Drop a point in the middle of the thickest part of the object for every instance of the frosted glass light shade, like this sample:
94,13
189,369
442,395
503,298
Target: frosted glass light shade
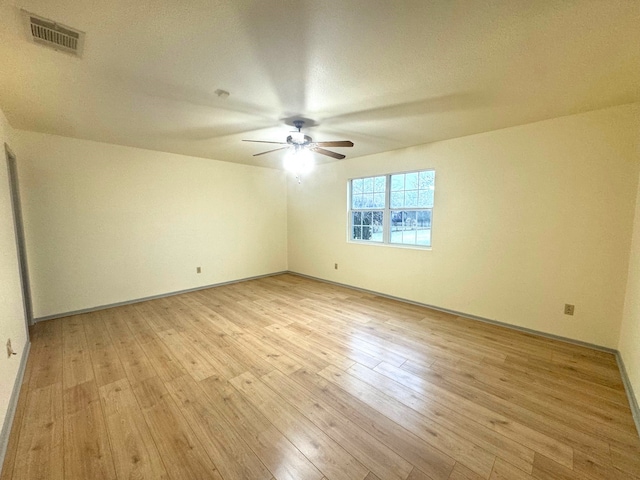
298,161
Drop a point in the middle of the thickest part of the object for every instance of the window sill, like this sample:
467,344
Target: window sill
391,245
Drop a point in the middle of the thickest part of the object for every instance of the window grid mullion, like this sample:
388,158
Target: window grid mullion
387,211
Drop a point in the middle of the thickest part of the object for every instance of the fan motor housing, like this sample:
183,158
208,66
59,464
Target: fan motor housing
291,141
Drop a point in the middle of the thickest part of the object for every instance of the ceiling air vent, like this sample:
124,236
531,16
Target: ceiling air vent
54,35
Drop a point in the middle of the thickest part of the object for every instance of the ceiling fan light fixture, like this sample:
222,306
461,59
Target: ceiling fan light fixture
297,138
298,161
299,147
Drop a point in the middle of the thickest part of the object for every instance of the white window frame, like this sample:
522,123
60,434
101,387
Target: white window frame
386,213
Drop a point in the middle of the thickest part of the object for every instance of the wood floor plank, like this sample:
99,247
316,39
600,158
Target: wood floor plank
549,377
417,474
137,366
136,322
553,427
436,464
546,469
306,346
287,378
505,471
76,359
274,356
329,342
87,453
176,442
517,389
452,420
73,335
194,363
274,316
379,458
153,315
134,451
464,451
96,332
106,365
515,431
222,442
280,456
214,351
591,466
328,456
40,453
115,320
295,346
366,344
49,355
460,472
165,364
626,457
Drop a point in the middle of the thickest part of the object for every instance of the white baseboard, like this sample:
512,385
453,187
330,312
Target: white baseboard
633,403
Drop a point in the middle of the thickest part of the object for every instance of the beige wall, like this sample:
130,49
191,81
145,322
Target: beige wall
526,219
629,345
107,223
12,321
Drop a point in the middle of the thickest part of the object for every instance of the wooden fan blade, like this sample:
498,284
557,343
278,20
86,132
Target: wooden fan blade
328,153
264,141
269,151
340,143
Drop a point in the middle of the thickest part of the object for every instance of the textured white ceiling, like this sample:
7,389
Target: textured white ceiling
384,74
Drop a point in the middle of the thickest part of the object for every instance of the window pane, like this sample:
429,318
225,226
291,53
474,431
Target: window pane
380,184
423,199
424,219
423,237
427,179
367,185
426,184
411,181
426,198
397,199
367,226
397,182
411,199
376,226
368,200
411,227
356,186
396,221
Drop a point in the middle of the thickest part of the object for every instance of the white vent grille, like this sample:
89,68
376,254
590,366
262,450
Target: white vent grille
54,35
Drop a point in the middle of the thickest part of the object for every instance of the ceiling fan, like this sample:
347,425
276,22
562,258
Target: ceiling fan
298,141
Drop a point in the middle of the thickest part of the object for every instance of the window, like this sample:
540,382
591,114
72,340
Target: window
392,209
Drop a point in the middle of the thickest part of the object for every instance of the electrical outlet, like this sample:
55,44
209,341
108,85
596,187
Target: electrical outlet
335,265
9,349
199,270
568,309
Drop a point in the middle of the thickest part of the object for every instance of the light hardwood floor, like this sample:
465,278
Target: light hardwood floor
290,378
